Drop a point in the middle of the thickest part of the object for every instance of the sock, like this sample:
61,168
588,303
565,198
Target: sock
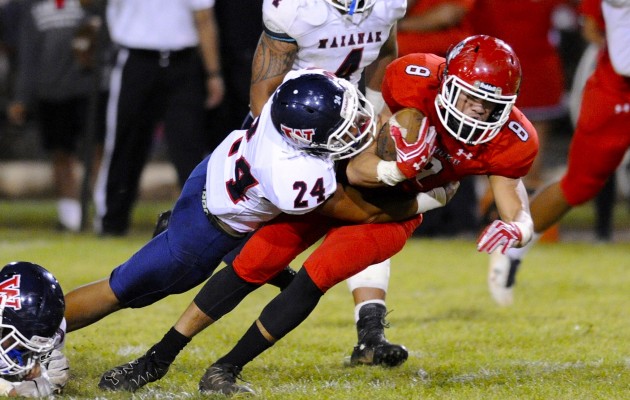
69,213
357,308
252,344
167,349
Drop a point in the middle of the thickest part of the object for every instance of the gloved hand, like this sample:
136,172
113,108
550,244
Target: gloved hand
411,158
500,234
58,369
38,387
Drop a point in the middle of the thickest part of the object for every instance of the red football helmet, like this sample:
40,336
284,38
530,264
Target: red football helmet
488,69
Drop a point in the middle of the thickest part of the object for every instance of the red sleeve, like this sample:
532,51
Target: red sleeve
412,81
515,148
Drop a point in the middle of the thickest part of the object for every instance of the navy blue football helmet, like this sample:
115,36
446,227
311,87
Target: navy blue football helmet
31,311
323,114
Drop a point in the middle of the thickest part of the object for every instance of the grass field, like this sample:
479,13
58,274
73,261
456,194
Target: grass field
566,337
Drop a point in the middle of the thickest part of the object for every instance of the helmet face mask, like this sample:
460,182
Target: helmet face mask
486,69
323,115
19,354
351,7
31,311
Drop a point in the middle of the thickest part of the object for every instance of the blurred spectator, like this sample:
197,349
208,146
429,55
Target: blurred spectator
433,26
9,18
54,84
239,30
167,63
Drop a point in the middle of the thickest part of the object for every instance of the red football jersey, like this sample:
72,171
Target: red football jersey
413,81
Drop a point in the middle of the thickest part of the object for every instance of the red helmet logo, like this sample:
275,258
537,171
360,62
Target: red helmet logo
10,292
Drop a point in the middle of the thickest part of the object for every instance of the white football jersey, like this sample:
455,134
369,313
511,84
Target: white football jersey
328,39
254,177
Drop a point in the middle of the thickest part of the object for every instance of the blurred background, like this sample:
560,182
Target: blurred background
550,42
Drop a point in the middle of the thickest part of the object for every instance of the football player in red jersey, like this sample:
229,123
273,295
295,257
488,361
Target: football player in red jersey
468,101
598,145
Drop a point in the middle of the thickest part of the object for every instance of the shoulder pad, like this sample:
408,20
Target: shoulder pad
284,16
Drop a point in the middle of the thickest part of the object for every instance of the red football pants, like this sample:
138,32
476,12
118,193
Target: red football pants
345,251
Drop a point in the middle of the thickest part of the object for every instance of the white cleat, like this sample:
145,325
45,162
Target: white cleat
502,277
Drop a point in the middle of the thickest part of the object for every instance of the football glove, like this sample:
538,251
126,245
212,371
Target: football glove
411,158
501,235
58,369
38,387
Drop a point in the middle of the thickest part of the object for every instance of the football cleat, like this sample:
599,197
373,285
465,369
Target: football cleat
221,378
384,354
373,348
502,277
134,375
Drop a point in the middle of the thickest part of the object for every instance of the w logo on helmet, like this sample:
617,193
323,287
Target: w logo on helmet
10,293
302,135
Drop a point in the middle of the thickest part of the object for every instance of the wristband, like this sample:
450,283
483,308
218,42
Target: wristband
527,231
430,200
388,173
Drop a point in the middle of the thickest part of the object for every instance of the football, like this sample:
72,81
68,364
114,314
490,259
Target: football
409,121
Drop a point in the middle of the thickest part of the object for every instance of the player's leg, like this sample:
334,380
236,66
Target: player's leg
369,290
344,255
172,262
330,263
283,314
263,256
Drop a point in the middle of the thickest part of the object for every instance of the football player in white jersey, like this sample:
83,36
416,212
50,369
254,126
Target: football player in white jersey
347,37
32,332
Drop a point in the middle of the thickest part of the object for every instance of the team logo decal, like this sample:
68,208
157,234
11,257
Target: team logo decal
10,292
304,135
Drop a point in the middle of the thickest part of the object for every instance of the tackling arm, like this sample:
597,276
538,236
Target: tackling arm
272,60
375,72
349,204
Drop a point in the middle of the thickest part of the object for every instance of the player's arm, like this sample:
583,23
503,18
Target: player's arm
207,31
273,58
516,227
349,204
375,72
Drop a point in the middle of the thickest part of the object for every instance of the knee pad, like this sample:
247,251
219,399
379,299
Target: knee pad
374,276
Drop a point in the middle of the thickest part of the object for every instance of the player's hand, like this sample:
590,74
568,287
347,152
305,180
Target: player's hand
501,235
411,158
58,369
38,387
6,388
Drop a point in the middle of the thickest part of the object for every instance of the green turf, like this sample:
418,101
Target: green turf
566,337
